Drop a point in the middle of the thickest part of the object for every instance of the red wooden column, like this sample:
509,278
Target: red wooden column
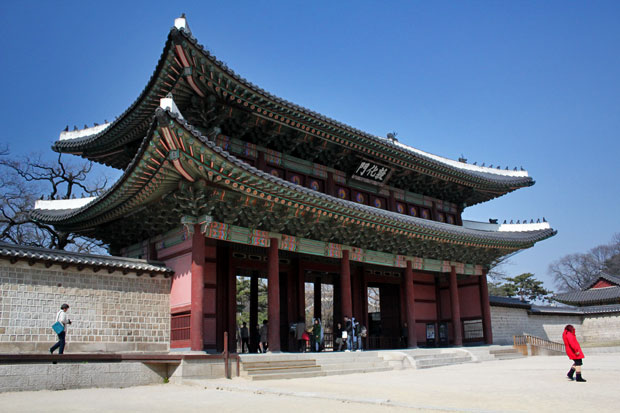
456,308
301,292
486,309
410,301
317,299
345,285
273,296
197,293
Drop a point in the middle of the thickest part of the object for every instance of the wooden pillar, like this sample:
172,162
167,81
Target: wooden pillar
486,309
345,285
232,304
254,313
392,202
437,308
331,185
410,299
456,308
301,292
317,298
273,296
197,293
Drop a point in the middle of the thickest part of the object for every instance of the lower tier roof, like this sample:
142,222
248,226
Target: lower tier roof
179,172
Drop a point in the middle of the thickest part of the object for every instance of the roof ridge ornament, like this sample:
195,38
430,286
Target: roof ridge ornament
181,24
168,104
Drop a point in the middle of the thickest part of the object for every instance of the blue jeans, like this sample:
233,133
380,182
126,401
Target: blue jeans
349,342
60,345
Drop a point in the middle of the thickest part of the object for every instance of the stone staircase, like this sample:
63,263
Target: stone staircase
429,360
505,353
352,362
290,366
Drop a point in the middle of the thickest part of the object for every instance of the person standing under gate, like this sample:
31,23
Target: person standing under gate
264,329
348,327
300,329
574,352
62,318
245,338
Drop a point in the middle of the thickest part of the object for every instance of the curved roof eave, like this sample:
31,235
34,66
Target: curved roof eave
520,237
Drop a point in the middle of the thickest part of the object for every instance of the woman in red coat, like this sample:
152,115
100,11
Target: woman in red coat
573,350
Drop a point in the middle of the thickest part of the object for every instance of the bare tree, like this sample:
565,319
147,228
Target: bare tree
22,182
576,271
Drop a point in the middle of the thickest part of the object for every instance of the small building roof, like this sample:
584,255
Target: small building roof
67,258
594,296
613,279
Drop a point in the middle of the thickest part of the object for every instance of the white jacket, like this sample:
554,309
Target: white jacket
63,318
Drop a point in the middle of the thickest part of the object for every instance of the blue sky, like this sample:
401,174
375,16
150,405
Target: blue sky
532,84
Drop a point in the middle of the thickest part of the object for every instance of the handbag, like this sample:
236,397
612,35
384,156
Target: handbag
58,327
344,334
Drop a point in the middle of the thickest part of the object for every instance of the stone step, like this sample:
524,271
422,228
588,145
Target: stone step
359,365
330,372
276,363
507,356
288,375
289,369
438,362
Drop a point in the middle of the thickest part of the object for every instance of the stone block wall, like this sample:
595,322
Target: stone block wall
109,311
62,376
602,329
508,322
592,330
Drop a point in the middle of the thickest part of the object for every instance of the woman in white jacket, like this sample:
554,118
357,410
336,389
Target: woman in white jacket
63,318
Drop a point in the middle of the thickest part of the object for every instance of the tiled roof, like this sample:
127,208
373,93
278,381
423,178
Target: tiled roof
133,120
614,279
549,309
607,295
521,237
508,302
45,255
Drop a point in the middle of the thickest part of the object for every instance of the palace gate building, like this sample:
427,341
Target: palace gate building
222,178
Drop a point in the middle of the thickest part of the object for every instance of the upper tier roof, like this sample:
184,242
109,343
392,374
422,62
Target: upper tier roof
186,69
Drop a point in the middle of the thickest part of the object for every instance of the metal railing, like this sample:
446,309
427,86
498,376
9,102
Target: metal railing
536,345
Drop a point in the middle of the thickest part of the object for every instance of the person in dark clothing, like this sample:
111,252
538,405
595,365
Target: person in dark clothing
300,328
338,342
404,335
574,352
245,338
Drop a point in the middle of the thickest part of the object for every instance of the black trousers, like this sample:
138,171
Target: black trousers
60,345
245,344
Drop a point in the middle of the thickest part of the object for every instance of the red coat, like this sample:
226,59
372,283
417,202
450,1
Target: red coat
573,349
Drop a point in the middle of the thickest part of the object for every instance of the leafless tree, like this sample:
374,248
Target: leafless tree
24,181
576,271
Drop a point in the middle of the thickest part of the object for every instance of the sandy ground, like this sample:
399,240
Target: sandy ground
534,384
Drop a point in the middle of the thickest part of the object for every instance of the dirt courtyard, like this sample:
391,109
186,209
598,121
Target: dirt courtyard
534,384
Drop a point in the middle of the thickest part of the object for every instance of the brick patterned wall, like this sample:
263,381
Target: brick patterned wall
508,322
110,312
602,329
592,330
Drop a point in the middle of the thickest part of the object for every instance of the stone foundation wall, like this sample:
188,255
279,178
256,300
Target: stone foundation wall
592,330
62,376
109,312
